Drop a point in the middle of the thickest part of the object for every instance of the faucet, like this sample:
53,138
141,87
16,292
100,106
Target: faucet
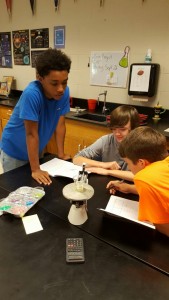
104,110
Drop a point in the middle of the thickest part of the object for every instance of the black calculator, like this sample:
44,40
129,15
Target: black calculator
75,250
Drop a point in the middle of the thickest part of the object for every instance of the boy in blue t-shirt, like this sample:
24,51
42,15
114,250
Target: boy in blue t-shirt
38,114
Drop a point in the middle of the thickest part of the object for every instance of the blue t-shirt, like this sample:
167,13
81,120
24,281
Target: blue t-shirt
33,105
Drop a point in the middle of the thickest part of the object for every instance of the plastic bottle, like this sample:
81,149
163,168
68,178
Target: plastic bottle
148,57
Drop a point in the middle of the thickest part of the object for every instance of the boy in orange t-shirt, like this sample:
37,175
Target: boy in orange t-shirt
145,151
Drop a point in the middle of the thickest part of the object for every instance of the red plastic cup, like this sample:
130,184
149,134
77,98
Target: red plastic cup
91,104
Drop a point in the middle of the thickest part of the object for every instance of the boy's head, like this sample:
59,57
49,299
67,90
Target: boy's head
52,60
143,146
123,119
52,68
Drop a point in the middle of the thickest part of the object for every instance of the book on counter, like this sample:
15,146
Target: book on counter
5,85
59,167
125,208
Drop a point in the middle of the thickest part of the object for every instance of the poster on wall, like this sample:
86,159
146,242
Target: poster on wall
59,37
34,55
5,50
21,47
40,38
109,68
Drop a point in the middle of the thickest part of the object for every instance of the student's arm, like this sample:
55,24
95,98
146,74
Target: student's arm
90,163
32,141
122,187
60,133
126,175
163,228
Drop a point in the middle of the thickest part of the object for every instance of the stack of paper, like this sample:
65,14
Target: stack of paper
59,167
125,208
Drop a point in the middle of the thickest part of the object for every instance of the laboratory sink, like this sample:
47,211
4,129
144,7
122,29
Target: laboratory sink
91,117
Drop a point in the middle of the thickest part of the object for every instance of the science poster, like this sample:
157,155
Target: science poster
40,38
34,55
5,50
59,37
21,47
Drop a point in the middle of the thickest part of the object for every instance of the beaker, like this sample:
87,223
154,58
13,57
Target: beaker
124,60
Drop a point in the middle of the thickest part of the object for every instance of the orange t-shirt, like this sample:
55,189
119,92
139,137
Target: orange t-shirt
152,184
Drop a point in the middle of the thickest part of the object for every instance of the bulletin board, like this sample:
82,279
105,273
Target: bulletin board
109,68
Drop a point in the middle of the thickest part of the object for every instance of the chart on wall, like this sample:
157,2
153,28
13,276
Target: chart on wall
5,50
109,68
21,47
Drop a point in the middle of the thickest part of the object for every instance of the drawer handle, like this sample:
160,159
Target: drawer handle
79,148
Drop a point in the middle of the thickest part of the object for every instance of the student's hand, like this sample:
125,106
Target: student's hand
118,185
41,177
113,165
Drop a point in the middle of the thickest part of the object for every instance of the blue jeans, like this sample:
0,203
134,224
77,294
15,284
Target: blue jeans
10,163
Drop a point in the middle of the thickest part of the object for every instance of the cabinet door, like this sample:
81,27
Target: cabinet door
4,122
5,112
73,139
51,146
78,135
93,133
73,144
81,134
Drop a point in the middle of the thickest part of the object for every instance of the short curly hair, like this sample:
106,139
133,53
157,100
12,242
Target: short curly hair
52,59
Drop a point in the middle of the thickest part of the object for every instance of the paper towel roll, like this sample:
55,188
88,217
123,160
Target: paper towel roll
140,98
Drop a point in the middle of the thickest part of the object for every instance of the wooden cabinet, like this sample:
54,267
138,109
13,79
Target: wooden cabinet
78,135
5,113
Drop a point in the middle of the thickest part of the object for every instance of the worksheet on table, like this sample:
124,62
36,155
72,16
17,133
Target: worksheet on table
125,208
59,167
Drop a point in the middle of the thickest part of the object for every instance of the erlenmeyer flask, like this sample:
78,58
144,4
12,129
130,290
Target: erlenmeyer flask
124,60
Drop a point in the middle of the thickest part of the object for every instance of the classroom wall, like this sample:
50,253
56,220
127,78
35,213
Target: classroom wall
141,24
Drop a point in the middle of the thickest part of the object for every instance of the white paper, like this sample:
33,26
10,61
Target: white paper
74,109
59,167
167,130
32,224
125,208
140,78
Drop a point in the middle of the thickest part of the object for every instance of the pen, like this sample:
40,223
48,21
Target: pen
83,168
83,171
114,187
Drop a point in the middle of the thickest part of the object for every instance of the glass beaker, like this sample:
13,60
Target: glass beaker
124,60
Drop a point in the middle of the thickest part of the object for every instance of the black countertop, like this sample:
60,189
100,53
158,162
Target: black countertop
123,260
138,241
9,102
34,266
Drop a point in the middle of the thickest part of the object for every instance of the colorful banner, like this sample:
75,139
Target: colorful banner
32,4
9,6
